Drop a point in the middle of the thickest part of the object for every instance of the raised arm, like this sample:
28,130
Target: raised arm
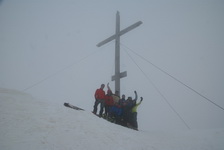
140,101
136,96
108,87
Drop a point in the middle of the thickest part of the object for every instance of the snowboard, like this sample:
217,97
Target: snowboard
72,106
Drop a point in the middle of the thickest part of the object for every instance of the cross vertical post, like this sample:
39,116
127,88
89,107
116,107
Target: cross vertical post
117,54
118,75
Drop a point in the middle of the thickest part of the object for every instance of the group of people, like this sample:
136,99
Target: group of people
121,111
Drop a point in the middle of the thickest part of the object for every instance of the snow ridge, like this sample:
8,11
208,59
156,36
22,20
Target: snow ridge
28,123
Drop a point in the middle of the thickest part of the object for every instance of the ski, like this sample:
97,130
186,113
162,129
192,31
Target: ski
72,106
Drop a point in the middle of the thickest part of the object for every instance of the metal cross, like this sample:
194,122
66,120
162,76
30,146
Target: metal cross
116,36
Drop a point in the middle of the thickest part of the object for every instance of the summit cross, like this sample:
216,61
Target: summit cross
116,37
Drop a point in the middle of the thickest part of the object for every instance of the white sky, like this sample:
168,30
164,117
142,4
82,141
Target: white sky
50,46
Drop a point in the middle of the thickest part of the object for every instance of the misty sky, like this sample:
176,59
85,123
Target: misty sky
48,49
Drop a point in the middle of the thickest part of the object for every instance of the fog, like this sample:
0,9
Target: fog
174,60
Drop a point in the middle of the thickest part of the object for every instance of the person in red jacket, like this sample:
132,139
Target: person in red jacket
109,102
99,99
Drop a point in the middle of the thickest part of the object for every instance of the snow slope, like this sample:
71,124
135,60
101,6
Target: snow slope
28,123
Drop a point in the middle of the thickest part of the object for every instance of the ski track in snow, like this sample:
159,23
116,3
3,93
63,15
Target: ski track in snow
28,123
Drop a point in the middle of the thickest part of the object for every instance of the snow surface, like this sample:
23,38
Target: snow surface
29,123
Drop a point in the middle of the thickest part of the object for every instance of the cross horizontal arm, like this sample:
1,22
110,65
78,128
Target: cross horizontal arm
106,41
121,75
120,33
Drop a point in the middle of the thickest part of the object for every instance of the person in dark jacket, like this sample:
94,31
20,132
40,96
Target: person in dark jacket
122,101
128,105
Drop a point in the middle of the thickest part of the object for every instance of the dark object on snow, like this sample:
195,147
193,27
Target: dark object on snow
72,106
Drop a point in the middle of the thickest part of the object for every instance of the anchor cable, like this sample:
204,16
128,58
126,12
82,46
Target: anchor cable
181,118
59,71
190,88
